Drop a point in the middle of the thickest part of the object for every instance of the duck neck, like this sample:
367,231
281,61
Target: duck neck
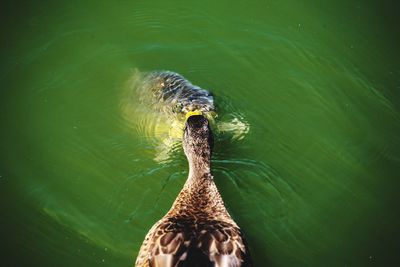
199,167
199,196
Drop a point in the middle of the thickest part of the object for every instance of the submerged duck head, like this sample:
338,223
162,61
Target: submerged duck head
197,138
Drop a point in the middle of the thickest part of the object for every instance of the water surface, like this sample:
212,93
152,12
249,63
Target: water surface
312,182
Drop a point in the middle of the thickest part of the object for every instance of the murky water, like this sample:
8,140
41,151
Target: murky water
311,175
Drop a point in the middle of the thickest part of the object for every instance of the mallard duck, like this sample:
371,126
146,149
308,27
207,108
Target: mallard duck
197,230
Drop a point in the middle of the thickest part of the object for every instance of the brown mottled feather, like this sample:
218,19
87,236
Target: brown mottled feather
197,230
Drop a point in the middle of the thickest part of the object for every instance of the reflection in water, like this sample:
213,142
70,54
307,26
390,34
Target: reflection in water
155,104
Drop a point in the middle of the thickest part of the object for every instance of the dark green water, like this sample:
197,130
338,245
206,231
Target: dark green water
314,182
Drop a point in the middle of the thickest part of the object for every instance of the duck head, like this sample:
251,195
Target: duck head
197,140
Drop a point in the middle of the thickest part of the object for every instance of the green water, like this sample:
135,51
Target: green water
313,183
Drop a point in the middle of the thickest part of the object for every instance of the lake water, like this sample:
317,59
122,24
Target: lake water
312,179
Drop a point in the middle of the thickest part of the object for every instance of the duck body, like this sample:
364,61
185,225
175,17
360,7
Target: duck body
197,230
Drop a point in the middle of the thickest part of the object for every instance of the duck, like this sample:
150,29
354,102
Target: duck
198,229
